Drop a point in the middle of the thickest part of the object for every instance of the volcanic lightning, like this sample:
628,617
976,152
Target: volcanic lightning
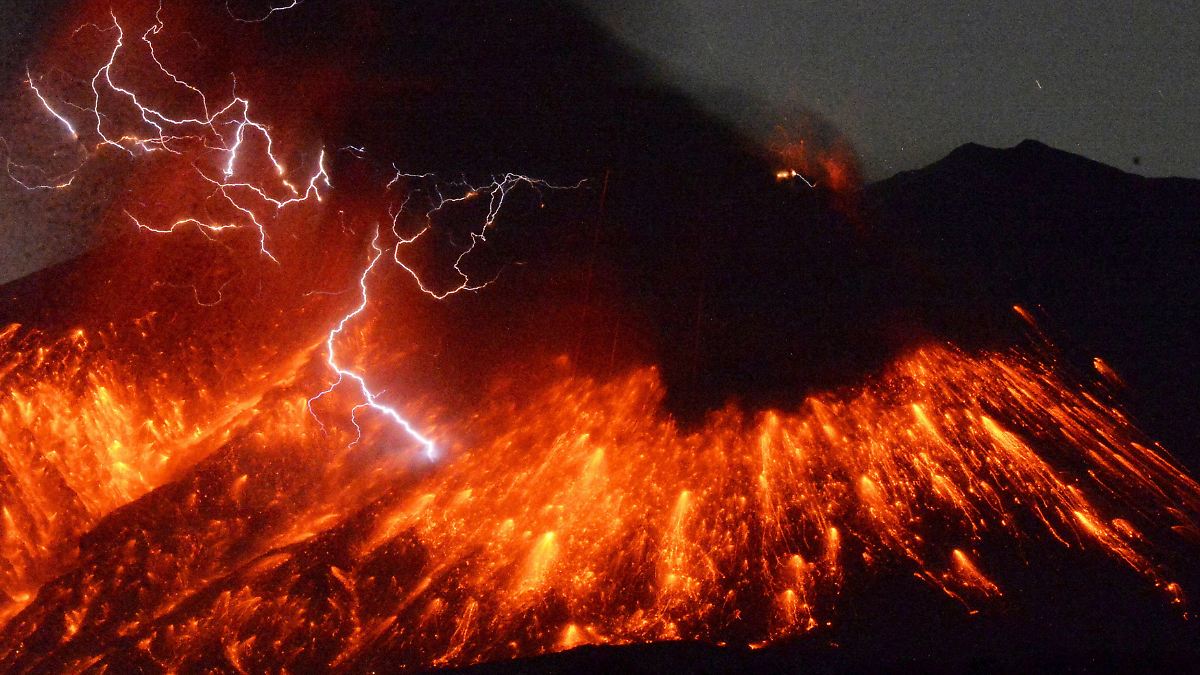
292,4
177,503
170,131
46,104
495,191
370,399
201,133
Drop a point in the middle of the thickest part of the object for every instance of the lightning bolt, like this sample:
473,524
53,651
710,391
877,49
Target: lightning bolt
225,130
495,192
270,12
369,397
56,182
49,108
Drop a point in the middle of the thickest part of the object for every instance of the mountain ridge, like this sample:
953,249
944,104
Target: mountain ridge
1107,256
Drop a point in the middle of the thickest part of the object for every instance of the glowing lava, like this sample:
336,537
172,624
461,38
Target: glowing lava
182,507
578,512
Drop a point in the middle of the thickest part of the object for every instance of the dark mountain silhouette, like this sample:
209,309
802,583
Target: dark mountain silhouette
739,286
684,250
1110,259
809,298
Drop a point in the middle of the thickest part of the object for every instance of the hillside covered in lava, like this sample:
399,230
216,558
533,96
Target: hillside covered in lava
415,351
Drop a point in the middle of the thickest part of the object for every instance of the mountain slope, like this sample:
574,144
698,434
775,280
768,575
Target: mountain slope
1110,259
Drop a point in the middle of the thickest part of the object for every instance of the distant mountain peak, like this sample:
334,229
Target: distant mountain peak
1030,144
1026,149
1029,159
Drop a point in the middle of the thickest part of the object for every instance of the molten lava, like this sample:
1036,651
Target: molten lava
578,513
230,501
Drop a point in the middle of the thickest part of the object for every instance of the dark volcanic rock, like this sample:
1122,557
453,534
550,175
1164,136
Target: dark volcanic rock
1108,258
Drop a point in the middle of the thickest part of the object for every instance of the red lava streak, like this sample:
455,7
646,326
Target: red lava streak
187,505
578,514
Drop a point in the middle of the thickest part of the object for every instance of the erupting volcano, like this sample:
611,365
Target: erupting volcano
307,404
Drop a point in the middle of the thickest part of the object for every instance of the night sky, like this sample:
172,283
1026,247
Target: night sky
908,82
905,83
750,295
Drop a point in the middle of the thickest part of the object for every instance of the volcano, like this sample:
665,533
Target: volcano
340,391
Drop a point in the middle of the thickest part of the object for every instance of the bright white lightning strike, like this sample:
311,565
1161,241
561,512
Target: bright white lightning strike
46,104
370,399
497,190
224,130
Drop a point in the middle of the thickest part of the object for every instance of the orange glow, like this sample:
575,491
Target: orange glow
577,514
830,165
180,505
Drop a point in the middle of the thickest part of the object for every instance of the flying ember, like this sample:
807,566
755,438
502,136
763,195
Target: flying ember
223,459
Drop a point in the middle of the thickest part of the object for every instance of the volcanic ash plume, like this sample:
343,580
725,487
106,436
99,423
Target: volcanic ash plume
232,476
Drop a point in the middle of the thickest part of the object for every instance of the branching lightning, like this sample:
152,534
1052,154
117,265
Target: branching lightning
56,182
370,398
575,505
495,192
225,130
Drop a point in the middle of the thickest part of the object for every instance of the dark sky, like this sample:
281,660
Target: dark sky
907,82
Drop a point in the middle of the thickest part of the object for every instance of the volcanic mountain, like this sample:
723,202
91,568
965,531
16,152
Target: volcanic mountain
1108,257
229,528
702,406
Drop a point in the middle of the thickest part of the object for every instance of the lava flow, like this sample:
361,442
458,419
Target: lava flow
581,513
266,496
